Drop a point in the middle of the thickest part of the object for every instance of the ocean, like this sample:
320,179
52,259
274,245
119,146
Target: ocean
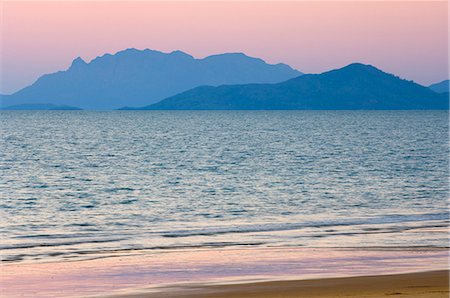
84,184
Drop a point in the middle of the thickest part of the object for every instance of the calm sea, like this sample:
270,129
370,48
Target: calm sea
79,184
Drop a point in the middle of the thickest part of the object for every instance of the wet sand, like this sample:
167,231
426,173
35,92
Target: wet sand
422,284
233,272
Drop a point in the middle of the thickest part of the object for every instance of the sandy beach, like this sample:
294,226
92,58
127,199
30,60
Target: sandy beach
237,272
421,284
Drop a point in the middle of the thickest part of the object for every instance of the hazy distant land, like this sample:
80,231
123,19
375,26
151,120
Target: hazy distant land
138,78
152,80
441,87
354,87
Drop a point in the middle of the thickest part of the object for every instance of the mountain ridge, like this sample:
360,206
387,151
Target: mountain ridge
139,77
355,86
440,87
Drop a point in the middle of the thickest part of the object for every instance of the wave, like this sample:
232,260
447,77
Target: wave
65,248
99,252
385,219
35,245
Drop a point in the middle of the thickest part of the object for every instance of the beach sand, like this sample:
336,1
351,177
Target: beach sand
422,284
237,272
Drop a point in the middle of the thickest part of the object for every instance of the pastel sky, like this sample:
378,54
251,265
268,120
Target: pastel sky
409,39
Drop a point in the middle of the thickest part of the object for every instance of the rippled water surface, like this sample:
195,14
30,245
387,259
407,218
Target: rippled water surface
79,184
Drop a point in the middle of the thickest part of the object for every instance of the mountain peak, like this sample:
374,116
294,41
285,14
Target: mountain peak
180,53
77,62
440,87
360,66
356,70
131,51
234,55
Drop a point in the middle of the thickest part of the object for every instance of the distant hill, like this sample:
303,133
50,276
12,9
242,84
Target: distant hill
440,87
47,107
136,78
356,86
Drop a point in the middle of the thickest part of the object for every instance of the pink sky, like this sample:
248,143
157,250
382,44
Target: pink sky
409,39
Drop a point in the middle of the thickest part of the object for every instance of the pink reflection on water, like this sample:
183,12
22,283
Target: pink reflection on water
100,276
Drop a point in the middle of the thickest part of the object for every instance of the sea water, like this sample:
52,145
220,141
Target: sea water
85,184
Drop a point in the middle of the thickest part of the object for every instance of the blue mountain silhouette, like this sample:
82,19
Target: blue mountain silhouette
440,87
138,77
356,86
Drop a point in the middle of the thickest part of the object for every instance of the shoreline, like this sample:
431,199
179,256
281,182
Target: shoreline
416,284
125,253
228,269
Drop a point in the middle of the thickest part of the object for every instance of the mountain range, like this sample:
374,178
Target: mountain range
356,86
141,77
153,80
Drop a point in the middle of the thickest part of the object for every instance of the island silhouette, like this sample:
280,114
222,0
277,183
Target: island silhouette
152,80
141,77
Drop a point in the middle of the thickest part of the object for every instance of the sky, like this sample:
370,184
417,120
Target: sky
409,39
